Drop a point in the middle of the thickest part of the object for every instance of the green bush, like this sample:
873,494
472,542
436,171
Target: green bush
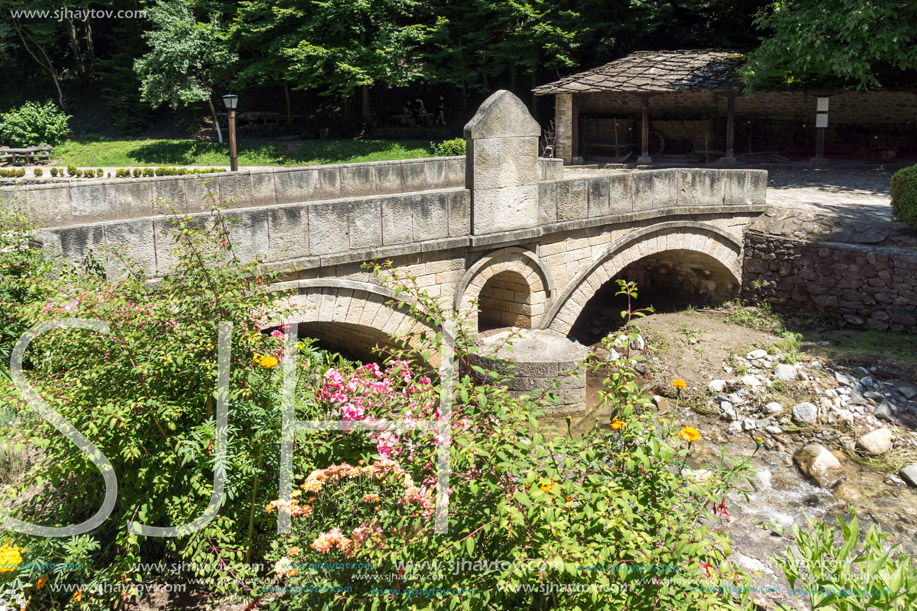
904,195
137,172
53,172
71,170
89,173
449,148
37,172
34,124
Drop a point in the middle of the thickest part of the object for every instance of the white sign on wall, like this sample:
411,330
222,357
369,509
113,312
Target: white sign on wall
823,104
821,120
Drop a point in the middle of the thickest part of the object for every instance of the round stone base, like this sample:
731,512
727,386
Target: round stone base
539,356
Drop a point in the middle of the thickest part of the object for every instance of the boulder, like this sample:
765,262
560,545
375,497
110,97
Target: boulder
717,386
785,372
756,354
728,411
751,381
908,392
877,442
774,429
773,408
886,411
819,465
909,474
805,412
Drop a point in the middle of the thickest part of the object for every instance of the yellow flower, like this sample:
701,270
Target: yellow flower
548,486
41,582
617,424
679,384
10,557
265,361
78,596
689,434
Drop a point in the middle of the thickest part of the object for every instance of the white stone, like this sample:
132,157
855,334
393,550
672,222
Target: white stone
819,464
773,408
842,379
717,386
748,424
785,372
751,381
877,442
752,564
756,354
909,474
774,429
735,427
727,411
846,416
805,412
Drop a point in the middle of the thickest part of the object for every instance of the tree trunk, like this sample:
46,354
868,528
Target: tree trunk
286,93
216,120
75,47
365,109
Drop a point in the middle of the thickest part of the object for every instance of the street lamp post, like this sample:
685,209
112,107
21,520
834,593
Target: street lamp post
231,101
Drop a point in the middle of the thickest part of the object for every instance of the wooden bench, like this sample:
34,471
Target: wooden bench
28,155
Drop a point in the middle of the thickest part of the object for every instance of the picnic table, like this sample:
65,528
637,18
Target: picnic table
30,154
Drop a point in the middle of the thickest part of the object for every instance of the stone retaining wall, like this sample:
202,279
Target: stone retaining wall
865,286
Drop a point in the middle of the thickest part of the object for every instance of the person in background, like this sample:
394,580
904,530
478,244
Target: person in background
419,109
441,110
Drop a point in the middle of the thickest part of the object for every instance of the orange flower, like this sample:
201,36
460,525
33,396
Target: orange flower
269,507
617,424
679,384
371,498
41,582
295,551
548,486
78,596
265,361
689,434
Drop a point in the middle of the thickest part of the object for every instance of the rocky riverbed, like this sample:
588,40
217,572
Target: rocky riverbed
836,434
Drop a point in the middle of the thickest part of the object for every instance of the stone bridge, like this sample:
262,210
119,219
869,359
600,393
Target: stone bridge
528,240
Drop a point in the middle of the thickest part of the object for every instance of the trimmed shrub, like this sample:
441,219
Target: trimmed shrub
53,172
137,172
449,148
71,170
904,195
100,172
89,173
37,172
34,124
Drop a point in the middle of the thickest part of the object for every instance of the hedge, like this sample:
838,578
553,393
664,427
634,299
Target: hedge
904,195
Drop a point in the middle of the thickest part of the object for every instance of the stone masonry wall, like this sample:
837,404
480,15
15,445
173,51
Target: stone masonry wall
865,286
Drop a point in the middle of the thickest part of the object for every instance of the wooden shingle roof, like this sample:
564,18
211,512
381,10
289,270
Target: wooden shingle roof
656,72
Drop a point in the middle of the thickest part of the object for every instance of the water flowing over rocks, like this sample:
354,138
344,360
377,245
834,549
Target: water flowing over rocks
820,465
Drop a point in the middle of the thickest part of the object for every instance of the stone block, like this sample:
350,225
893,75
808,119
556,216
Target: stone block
330,181
136,238
454,175
357,179
263,189
329,228
505,209
201,193
387,176
111,202
293,186
547,202
459,213
288,232
168,193
366,224
665,188
502,115
397,220
700,187
414,176
434,173
250,235
504,162
599,197
643,191
572,200
431,217
735,191
757,186
48,207
77,242
235,189
621,193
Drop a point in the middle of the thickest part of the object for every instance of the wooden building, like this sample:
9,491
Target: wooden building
690,102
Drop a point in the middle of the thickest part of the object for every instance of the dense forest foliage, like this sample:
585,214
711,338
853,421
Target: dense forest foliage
365,57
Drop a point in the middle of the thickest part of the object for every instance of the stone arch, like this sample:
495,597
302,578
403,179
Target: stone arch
689,236
519,270
357,312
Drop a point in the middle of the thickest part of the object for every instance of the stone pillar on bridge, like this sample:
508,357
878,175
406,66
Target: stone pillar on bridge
501,167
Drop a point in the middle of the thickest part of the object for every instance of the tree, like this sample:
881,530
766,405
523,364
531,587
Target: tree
186,58
853,41
345,44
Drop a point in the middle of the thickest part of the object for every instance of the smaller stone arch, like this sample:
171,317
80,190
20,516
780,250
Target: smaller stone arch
513,288
360,312
672,236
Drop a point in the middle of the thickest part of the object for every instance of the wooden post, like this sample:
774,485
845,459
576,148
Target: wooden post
730,128
574,130
233,156
645,158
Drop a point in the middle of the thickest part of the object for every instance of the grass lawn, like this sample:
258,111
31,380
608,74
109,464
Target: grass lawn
94,153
